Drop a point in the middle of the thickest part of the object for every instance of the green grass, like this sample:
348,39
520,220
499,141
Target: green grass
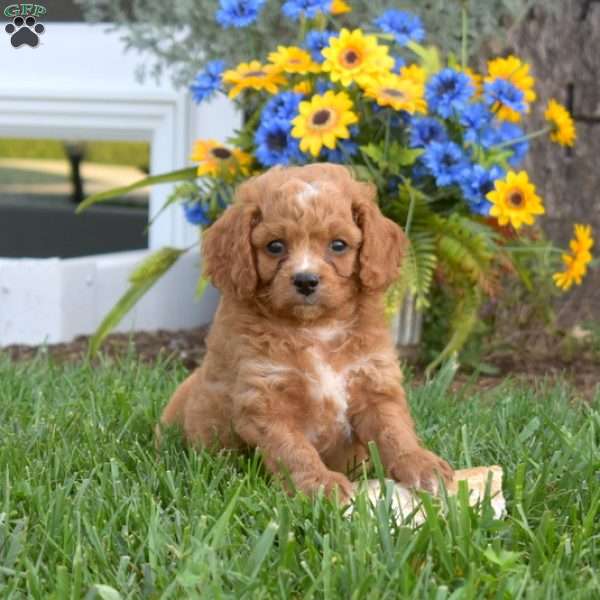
88,509
136,154
26,176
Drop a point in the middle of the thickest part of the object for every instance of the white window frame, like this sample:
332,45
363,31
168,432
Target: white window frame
54,300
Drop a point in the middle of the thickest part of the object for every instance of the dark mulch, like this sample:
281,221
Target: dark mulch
187,347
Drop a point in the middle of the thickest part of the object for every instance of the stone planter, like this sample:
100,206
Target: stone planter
406,327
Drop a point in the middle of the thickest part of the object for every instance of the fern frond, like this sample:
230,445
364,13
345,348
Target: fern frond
464,319
416,273
420,264
465,252
398,206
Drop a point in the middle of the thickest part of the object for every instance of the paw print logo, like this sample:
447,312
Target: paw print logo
24,31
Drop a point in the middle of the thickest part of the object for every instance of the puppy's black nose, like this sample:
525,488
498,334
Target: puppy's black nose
306,283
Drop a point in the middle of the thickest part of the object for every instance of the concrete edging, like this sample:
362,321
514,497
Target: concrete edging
54,300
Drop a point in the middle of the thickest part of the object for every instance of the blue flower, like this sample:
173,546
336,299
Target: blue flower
502,91
403,25
476,119
282,106
207,82
419,171
323,85
448,92
294,9
275,144
445,161
344,150
507,132
238,13
315,41
425,130
341,153
197,213
475,183
399,62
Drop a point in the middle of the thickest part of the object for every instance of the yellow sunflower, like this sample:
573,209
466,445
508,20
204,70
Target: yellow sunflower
577,261
255,76
217,159
340,7
399,93
573,273
323,120
356,57
414,73
303,87
292,59
514,200
516,72
583,242
563,127
476,80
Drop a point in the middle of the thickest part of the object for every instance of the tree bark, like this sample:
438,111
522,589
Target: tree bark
564,51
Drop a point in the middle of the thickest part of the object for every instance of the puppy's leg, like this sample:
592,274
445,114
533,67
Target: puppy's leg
174,412
385,419
347,457
286,450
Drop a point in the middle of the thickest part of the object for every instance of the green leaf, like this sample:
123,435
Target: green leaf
429,56
404,157
187,173
106,592
397,156
142,279
155,265
361,173
261,550
505,559
419,265
203,283
464,319
499,156
375,153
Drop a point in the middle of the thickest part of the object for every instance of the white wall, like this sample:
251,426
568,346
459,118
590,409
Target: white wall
79,84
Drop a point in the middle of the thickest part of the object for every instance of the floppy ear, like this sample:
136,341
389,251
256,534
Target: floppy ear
383,244
227,251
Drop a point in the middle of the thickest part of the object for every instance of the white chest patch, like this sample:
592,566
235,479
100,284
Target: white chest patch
330,385
329,334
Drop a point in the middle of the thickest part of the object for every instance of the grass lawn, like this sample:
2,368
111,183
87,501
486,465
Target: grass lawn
87,509
136,154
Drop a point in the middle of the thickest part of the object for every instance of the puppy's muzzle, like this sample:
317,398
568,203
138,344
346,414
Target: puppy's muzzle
305,283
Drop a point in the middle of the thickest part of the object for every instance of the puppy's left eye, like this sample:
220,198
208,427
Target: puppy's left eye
276,248
338,246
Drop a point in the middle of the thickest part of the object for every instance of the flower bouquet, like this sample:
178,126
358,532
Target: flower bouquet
443,144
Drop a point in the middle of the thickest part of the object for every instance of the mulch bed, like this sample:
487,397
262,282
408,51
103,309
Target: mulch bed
187,347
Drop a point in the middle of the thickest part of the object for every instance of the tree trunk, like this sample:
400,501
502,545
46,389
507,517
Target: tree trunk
564,51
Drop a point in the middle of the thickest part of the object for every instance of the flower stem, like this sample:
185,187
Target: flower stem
302,29
388,128
523,138
411,207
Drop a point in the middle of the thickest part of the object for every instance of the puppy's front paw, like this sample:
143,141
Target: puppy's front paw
421,469
330,481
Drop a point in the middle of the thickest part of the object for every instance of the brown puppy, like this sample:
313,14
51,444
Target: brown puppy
300,361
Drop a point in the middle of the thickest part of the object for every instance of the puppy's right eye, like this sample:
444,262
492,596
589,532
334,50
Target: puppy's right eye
276,248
